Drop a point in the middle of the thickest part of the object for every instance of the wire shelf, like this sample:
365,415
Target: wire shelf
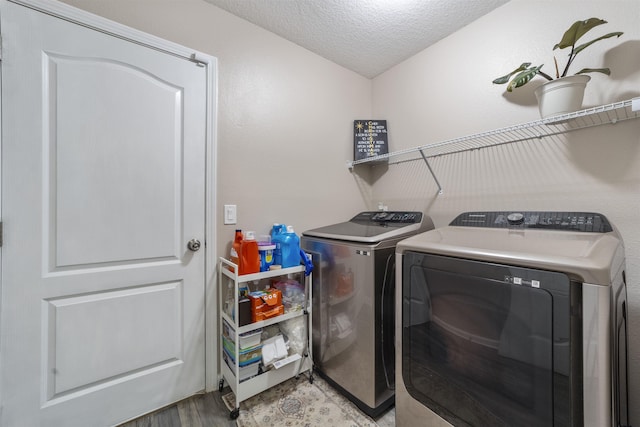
556,125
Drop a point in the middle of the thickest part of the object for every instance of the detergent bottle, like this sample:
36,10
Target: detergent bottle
277,235
249,255
290,248
234,254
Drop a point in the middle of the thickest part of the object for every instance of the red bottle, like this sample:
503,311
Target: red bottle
234,255
249,255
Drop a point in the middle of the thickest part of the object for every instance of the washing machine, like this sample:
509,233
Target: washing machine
512,319
353,303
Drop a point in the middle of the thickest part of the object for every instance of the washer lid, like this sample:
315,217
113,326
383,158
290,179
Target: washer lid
374,226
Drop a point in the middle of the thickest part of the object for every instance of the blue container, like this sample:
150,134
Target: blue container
277,235
290,248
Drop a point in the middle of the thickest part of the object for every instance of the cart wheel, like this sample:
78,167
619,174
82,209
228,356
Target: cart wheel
234,414
220,386
310,378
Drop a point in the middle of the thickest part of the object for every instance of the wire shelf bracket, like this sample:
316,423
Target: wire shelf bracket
435,178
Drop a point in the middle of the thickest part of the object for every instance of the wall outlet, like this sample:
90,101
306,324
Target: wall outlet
230,214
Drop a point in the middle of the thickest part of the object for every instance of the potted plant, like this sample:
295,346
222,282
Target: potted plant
551,97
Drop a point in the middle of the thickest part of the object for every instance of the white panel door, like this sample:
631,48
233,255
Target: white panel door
103,186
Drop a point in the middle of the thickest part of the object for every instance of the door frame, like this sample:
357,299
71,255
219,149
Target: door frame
89,20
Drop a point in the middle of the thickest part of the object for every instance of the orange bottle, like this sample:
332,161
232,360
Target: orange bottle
234,255
249,255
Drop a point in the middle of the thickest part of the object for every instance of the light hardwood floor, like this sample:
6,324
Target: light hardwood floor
202,410
208,410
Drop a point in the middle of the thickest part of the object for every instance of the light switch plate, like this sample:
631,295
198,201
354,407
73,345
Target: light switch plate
230,214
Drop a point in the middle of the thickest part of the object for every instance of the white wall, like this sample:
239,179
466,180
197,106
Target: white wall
446,92
285,116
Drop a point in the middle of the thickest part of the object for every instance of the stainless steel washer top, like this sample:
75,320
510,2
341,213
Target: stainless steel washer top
375,226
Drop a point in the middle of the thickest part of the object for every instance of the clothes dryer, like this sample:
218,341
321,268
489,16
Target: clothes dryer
512,319
354,305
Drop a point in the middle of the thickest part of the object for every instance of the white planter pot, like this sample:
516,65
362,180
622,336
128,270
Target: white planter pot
560,96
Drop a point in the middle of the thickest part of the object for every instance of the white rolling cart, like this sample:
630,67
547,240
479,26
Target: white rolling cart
230,330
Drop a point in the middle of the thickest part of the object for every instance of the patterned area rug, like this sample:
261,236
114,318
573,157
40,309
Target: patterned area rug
296,402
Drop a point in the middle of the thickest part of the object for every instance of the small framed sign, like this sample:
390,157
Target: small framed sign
369,138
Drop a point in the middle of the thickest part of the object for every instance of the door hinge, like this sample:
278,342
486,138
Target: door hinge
0,47
0,234
198,62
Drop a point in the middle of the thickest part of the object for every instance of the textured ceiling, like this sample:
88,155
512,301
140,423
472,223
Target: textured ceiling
366,36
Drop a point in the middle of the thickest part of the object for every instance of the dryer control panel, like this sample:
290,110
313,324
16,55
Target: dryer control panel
587,222
391,217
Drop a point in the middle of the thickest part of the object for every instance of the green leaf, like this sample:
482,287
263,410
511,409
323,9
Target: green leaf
577,30
523,78
606,36
504,79
595,70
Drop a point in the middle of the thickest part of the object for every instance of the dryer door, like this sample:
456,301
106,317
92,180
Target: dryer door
486,344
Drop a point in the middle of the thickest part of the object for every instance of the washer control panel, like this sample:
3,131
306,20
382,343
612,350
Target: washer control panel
587,222
391,217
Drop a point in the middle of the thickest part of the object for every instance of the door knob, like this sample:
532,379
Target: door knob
193,245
